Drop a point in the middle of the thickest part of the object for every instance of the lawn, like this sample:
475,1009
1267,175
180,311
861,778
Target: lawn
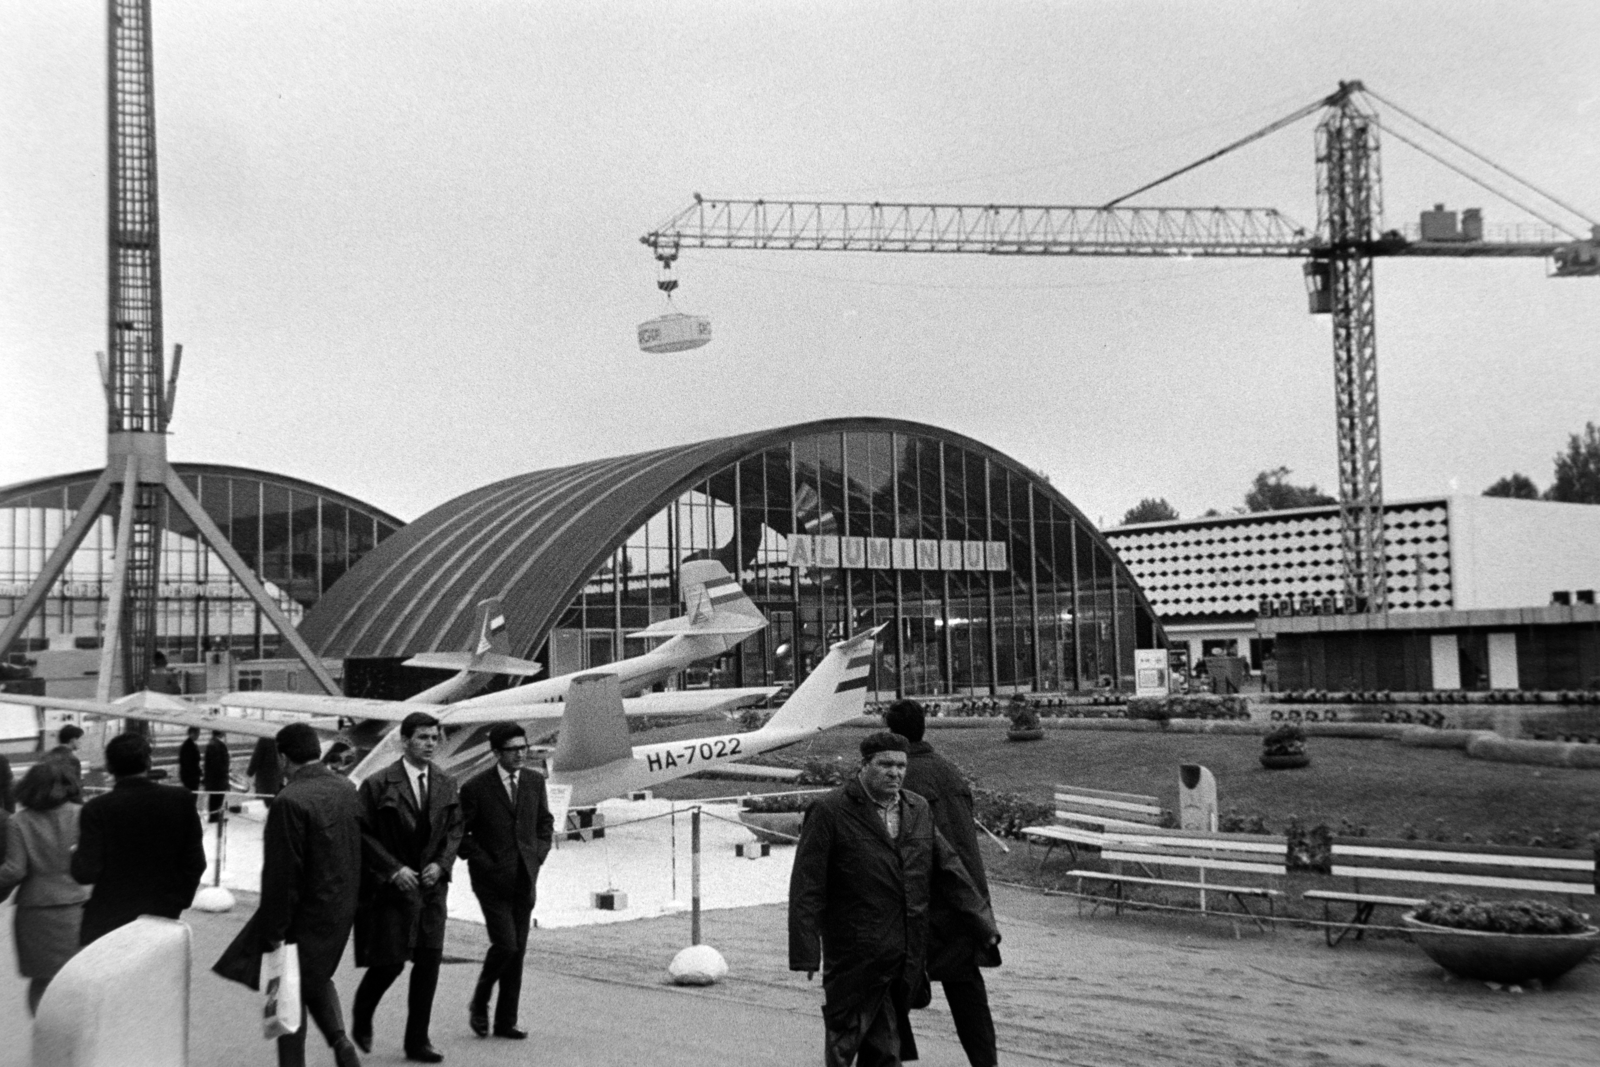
1382,786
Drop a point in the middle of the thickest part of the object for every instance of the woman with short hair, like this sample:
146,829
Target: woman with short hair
40,838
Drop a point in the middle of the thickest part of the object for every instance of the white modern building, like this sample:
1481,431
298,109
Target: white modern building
1239,584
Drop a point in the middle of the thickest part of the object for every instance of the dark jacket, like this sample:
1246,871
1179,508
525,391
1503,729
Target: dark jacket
218,766
139,846
496,842
189,764
265,773
393,922
858,901
6,803
952,950
310,878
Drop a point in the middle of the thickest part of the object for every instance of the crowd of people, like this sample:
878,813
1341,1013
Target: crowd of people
887,894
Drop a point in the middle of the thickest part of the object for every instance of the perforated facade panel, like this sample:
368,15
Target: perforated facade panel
1225,566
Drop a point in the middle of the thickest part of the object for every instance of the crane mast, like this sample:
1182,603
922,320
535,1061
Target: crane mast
1338,268
1348,201
136,399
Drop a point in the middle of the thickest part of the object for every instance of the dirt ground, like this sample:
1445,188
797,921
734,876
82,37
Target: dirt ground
1151,988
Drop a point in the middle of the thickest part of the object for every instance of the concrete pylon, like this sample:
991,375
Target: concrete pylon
122,1000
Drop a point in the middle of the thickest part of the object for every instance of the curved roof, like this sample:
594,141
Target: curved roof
535,539
79,482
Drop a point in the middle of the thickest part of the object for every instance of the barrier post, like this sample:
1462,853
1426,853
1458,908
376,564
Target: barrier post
222,841
694,877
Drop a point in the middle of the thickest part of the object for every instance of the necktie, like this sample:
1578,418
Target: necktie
511,783
422,791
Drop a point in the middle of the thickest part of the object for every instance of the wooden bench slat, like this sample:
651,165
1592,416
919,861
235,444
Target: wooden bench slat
1102,820
1101,794
1199,862
1363,898
1379,874
1474,859
1200,840
1391,843
1215,887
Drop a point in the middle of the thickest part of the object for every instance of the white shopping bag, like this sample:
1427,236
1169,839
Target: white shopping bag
280,975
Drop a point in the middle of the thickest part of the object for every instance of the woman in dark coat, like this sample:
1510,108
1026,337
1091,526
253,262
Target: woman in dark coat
38,860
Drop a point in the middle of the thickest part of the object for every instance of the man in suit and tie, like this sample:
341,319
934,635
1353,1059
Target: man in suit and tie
508,833
410,830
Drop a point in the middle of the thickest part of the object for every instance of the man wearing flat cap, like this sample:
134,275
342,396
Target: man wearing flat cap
868,864
508,832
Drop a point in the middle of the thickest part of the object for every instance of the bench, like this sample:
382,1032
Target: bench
1083,816
1264,856
1366,860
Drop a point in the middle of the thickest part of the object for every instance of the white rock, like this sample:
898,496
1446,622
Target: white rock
698,965
213,898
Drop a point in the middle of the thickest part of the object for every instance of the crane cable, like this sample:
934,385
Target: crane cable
1507,197
1274,127
1481,158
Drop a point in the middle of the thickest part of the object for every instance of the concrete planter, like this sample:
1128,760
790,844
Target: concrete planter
1287,762
1506,958
1035,733
773,827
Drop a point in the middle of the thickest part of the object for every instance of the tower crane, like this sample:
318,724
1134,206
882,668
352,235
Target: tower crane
1338,268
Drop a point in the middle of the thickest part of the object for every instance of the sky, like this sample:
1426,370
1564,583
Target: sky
400,240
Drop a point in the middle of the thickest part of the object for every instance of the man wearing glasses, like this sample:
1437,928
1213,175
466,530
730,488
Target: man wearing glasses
507,836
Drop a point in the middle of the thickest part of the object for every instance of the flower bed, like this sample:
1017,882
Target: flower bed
1505,941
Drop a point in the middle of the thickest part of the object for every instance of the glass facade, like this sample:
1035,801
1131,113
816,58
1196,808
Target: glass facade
988,583
296,538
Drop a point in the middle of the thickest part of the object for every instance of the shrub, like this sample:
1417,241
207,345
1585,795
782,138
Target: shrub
1005,814
1461,912
780,802
1286,740
1022,715
1235,822
754,718
820,771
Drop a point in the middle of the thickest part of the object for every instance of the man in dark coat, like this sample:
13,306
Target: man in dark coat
189,760
507,832
868,863
138,845
410,831
67,742
954,956
218,772
310,878
264,772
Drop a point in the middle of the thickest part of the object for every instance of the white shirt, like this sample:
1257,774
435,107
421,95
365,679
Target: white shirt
415,774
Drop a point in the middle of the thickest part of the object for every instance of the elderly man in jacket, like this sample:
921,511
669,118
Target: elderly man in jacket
410,831
310,876
954,955
868,864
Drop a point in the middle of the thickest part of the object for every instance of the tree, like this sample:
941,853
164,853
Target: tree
1270,492
1150,509
1578,469
1516,486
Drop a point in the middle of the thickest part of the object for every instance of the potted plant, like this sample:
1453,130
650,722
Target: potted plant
1025,724
1284,747
1506,941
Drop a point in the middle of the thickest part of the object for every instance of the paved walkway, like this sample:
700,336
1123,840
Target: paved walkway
1133,991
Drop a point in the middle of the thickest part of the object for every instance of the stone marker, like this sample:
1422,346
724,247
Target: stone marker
122,1000
1197,798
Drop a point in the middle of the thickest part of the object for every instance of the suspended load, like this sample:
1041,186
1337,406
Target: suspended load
675,332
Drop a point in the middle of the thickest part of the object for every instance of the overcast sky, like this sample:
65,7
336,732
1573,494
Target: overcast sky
400,239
